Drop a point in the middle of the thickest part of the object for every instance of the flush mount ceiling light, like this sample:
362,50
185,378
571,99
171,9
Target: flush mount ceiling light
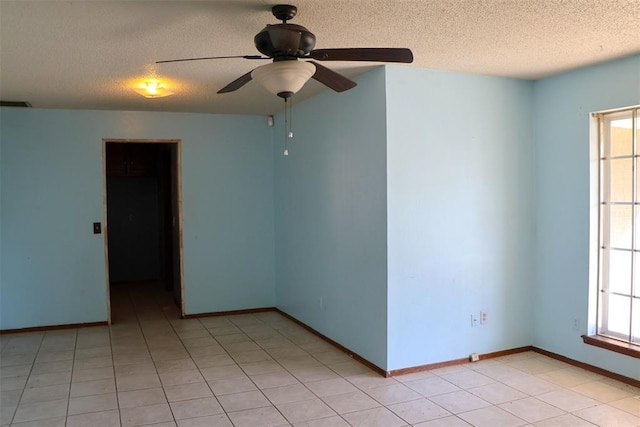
284,78
153,89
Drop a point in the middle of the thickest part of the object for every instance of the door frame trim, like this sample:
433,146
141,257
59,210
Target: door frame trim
105,228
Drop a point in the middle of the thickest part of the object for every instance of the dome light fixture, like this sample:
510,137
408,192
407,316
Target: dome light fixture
284,78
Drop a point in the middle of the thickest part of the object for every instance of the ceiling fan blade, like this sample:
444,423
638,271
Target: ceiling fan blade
237,83
331,79
213,57
373,54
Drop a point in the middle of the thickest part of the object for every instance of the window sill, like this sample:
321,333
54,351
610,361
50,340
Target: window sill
613,345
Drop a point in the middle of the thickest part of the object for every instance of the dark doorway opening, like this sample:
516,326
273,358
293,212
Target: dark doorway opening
142,203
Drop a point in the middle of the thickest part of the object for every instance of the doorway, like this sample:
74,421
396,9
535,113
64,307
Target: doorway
143,220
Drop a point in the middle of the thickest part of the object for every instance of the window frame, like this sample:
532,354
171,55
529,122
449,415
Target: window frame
599,333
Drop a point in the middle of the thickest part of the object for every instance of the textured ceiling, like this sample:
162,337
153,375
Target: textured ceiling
88,54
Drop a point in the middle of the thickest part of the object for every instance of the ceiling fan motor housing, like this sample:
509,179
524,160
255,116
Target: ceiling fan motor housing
282,41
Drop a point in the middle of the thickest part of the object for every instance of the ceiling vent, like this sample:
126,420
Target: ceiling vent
24,104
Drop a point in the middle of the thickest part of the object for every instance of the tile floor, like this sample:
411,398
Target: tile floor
152,368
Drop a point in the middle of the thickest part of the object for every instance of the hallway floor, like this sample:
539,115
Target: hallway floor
152,368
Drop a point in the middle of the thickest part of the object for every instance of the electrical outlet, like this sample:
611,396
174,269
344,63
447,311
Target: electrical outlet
484,317
576,324
321,303
474,320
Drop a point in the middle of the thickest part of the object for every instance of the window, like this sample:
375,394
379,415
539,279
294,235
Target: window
618,304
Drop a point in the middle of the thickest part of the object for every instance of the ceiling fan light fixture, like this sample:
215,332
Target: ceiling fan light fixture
153,89
284,78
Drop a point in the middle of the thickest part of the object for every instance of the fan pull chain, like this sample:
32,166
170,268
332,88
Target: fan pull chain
288,120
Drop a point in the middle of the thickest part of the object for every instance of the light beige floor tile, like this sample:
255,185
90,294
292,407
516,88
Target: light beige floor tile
459,401
6,413
238,347
13,359
312,373
210,421
263,367
500,372
250,356
305,410
49,422
43,380
531,409
231,385
137,381
568,377
41,410
370,380
135,369
10,398
144,415
417,411
377,417
164,366
195,408
274,379
94,362
207,351
93,352
451,421
491,416
331,356
467,379
95,403
533,366
351,402
91,374
42,394
150,396
331,387
200,341
88,388
222,372
629,404
187,392
54,356
288,394
395,393
605,415
601,391
567,400
433,386
194,333
497,393
52,367
16,371
531,385
181,377
245,400
13,383
211,361
349,368
335,421
411,377
567,420
268,416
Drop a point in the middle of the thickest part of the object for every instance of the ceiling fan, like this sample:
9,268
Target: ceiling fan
287,44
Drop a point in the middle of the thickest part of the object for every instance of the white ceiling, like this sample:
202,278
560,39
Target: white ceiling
88,54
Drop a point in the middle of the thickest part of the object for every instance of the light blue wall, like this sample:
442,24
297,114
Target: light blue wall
331,216
460,217
561,289
52,266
